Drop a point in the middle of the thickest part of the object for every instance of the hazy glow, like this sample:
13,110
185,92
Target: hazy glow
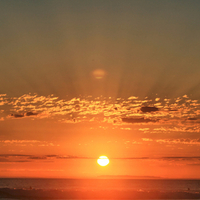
103,161
99,73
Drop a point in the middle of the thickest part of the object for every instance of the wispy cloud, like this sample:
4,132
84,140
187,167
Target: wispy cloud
147,139
32,158
20,158
27,143
180,141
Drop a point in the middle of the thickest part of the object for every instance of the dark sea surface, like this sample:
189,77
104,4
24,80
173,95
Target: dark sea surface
17,188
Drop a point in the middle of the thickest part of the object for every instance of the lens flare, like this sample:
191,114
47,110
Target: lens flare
98,73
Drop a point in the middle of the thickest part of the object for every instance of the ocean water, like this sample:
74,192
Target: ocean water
18,188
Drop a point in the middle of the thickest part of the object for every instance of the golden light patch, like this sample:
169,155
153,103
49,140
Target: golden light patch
103,161
98,73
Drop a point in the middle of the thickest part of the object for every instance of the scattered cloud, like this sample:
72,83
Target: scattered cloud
27,143
127,129
180,141
180,114
147,139
144,129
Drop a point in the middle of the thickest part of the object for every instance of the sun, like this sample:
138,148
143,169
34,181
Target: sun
103,160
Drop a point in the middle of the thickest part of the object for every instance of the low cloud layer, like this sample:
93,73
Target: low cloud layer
53,158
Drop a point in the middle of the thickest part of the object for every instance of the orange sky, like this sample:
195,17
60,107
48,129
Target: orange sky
84,78
52,137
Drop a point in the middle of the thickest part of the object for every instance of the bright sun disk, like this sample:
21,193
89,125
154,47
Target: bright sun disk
103,160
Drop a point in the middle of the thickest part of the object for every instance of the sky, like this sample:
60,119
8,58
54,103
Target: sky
85,78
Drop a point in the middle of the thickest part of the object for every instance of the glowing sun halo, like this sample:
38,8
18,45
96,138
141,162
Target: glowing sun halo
103,160
99,73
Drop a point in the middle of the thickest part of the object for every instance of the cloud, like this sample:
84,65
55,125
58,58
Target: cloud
17,115
181,158
192,118
147,139
72,157
133,158
14,155
180,141
194,164
144,129
30,113
127,129
132,98
24,114
37,157
164,112
166,158
52,158
148,109
13,158
27,143
31,158
138,120
178,127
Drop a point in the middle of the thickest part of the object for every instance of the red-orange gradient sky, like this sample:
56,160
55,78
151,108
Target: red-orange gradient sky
84,78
